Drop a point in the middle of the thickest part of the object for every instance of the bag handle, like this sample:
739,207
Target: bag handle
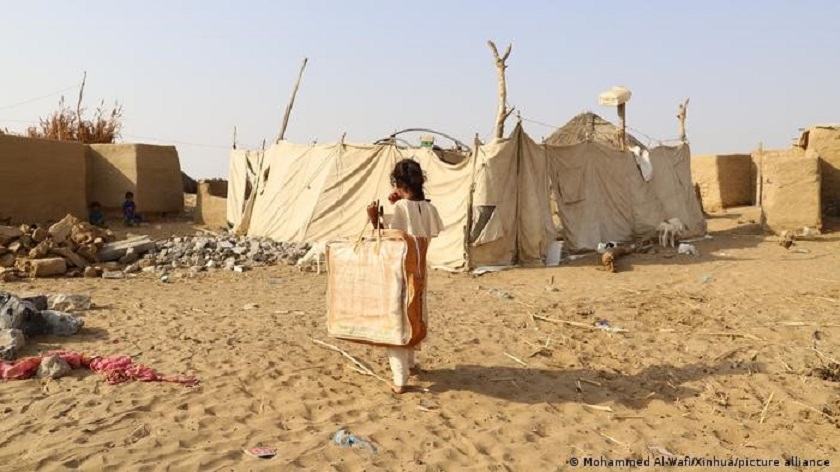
374,231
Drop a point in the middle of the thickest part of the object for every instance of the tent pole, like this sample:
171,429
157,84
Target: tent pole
468,229
622,120
759,177
516,226
683,110
291,102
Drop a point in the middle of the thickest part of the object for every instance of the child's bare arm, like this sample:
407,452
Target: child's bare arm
374,212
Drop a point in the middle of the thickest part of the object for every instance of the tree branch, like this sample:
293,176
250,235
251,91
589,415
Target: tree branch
502,113
507,52
509,112
493,49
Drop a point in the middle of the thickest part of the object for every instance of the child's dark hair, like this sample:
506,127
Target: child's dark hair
408,175
94,205
129,194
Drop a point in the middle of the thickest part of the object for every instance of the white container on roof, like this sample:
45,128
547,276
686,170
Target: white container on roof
615,96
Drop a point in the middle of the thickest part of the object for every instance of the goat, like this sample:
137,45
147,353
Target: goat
317,252
670,231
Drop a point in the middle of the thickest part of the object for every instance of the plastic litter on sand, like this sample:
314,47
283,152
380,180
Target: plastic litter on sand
343,437
261,452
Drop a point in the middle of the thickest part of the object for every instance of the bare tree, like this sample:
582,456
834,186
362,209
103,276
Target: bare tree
503,112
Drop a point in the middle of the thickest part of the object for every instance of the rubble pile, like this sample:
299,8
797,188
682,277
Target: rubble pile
22,318
67,246
74,248
208,251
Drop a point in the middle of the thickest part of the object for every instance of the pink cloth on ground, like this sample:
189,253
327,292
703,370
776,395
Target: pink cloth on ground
115,369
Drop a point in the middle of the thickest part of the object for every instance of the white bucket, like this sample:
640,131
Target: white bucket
555,254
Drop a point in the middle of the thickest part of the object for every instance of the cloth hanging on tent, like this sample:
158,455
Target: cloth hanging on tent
643,161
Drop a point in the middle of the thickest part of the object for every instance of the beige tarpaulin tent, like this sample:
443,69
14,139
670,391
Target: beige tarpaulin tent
673,187
495,203
589,127
244,168
602,196
319,192
511,219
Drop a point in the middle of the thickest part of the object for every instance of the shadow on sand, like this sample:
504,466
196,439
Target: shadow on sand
534,386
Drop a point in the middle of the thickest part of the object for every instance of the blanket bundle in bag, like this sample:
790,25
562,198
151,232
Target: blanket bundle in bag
376,290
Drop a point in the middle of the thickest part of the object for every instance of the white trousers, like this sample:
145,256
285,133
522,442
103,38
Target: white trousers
401,360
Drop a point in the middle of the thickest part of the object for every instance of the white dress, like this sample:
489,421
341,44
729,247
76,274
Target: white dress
419,219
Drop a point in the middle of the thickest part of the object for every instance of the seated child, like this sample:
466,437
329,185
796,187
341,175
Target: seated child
96,217
130,215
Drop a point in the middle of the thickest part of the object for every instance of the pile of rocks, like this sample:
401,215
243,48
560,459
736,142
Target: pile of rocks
211,251
75,248
69,245
21,318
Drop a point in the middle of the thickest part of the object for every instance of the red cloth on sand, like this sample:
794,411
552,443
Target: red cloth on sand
115,369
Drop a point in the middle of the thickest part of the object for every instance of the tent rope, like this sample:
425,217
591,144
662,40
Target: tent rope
650,138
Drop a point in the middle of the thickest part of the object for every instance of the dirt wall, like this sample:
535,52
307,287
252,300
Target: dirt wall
737,180
41,180
825,141
704,174
211,203
159,183
790,182
111,172
216,187
725,181
153,173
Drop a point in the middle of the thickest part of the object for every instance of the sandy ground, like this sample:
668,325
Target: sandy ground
717,361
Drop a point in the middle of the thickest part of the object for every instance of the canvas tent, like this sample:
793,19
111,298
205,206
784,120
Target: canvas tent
243,170
602,196
495,203
319,192
589,127
510,218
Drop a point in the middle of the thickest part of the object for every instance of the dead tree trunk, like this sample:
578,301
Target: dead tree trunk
681,116
291,102
622,126
503,112
79,129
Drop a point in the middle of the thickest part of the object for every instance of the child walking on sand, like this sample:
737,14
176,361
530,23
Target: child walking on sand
418,217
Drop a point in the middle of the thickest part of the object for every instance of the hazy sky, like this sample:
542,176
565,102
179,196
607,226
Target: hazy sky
188,71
